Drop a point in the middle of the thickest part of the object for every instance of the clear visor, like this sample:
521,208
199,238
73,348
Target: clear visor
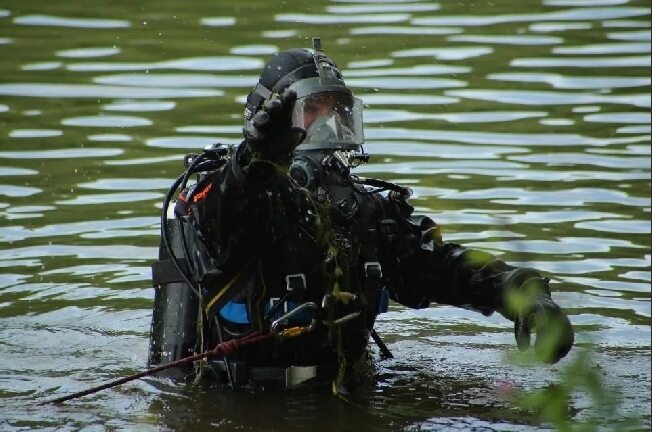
331,120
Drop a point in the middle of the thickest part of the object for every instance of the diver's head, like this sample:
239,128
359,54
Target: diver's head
325,106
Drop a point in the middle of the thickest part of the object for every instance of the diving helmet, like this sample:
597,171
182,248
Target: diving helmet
325,107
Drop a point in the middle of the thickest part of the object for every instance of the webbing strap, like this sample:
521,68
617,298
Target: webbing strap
263,91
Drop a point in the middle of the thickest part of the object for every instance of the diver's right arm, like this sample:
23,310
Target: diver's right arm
231,207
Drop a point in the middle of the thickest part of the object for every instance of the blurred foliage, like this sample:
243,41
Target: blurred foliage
580,383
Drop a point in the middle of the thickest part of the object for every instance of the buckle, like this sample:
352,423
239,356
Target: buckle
272,302
372,269
295,282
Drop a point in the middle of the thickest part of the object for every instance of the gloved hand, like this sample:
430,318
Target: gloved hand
269,133
535,309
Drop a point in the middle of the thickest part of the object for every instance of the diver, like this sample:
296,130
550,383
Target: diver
279,231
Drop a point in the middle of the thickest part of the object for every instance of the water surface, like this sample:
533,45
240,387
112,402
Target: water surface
523,128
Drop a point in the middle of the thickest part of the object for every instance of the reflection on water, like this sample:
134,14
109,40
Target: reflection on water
523,128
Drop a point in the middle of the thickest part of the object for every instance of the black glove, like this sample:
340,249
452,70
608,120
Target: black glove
269,133
535,309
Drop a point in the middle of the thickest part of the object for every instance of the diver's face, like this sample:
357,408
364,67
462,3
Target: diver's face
316,108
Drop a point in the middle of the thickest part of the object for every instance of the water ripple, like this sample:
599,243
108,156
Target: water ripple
16,191
448,53
499,171
504,219
585,265
254,49
559,246
210,129
125,184
13,171
25,212
443,151
577,197
637,129
508,39
124,197
64,153
176,80
143,161
188,142
369,63
573,82
499,138
386,116
610,48
194,63
18,233
549,27
35,133
614,286
41,66
140,106
625,24
339,19
619,117
404,83
574,14
91,23
110,137
575,159
405,31
88,52
418,70
385,98
581,62
113,251
619,226
382,8
527,97
86,91
218,21
643,35
279,34
107,121
591,3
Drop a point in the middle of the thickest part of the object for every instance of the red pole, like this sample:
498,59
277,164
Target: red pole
225,348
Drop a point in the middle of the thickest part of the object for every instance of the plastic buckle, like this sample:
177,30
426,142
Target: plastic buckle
373,269
292,280
274,300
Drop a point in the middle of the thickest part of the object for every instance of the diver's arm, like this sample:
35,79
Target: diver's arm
231,206
420,268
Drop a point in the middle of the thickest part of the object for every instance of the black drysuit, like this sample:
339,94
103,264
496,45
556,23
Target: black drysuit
259,239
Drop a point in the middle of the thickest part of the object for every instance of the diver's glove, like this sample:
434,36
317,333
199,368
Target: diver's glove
531,307
269,132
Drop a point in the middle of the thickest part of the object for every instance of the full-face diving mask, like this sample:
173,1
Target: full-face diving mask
330,114
326,108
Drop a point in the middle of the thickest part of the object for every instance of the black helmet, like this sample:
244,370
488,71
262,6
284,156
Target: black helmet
325,106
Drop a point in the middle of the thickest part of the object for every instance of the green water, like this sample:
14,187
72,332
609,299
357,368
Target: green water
523,128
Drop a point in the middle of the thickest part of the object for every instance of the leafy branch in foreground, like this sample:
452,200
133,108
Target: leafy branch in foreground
580,384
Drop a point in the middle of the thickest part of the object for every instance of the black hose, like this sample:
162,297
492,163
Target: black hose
181,181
